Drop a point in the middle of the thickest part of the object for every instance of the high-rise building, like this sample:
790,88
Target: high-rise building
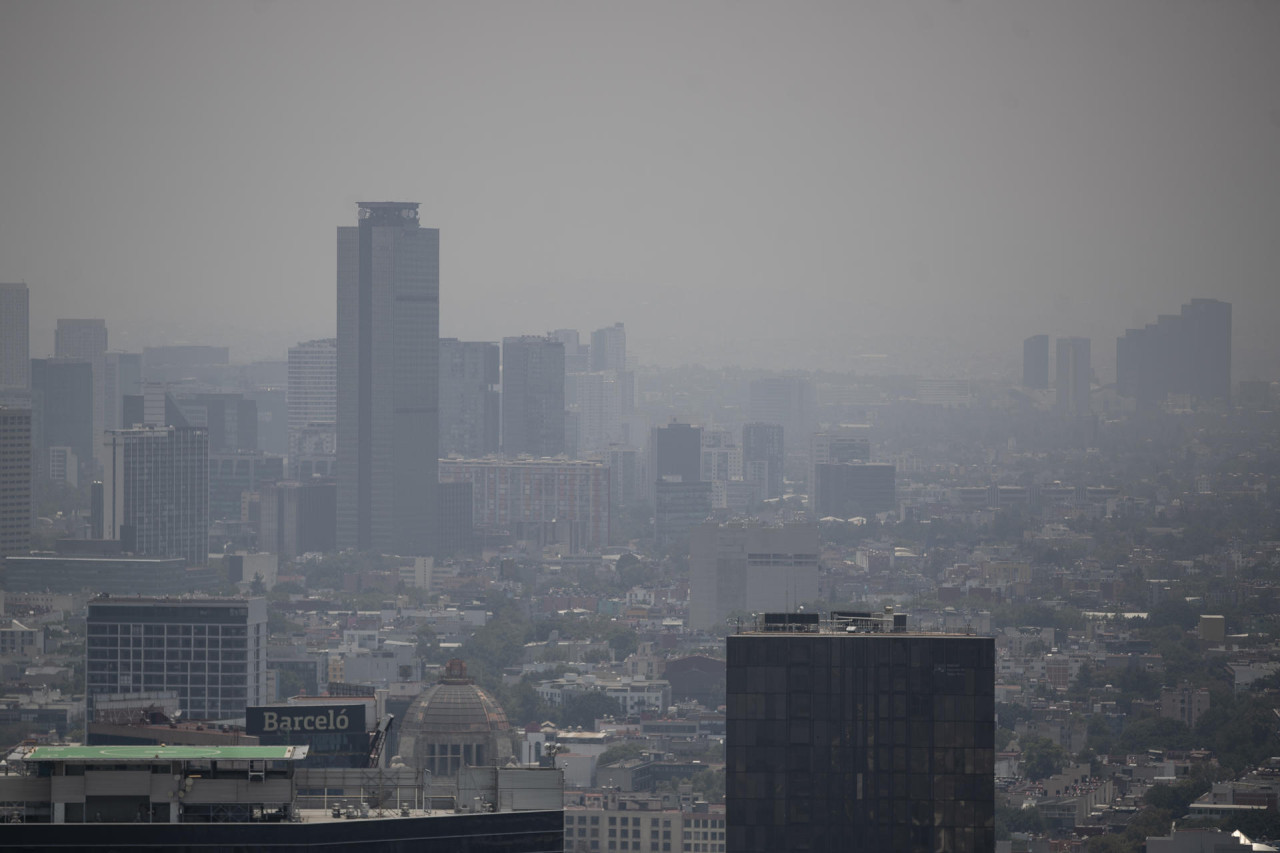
121,377
750,568
763,443
15,341
1035,362
1074,375
1209,333
675,453
609,348
15,481
533,403
1185,353
211,651
838,445
577,355
156,491
62,409
855,489
83,339
858,735
388,380
790,401
297,518
232,420
470,404
312,397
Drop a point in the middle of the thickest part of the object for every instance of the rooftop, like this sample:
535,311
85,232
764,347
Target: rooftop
126,754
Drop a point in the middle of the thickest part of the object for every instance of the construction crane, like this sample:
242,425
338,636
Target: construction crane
378,739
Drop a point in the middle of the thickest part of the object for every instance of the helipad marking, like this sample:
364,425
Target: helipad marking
132,752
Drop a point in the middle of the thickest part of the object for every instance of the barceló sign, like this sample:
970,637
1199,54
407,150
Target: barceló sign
284,723
281,721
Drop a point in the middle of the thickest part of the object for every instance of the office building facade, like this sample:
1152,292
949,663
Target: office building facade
388,380
852,737
533,396
470,403
15,481
156,491
743,567
211,651
520,497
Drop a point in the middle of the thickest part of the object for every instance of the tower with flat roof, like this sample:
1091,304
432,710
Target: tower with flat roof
388,380
847,732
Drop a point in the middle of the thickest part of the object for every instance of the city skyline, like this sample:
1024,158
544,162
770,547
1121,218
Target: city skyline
929,183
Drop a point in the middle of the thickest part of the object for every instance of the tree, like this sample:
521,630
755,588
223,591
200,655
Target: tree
583,709
1042,758
620,752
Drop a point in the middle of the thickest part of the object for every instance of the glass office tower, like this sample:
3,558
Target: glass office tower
851,738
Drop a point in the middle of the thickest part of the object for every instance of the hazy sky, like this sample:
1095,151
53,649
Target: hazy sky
783,184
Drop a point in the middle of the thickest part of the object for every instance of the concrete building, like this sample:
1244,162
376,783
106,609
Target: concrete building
212,651
524,497
470,403
533,396
15,481
679,507
388,380
747,567
312,400
857,735
156,492
15,343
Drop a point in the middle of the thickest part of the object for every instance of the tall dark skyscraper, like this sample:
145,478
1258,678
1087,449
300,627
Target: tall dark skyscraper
1073,373
857,735
1184,353
388,380
533,403
1035,362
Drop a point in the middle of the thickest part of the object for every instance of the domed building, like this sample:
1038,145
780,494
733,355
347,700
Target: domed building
454,724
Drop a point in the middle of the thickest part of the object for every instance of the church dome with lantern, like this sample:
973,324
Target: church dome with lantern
455,724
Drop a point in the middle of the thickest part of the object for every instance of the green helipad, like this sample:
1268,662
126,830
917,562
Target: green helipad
125,754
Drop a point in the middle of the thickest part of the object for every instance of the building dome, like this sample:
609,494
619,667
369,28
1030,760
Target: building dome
455,724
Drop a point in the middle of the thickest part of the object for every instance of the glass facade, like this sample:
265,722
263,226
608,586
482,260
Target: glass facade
856,742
